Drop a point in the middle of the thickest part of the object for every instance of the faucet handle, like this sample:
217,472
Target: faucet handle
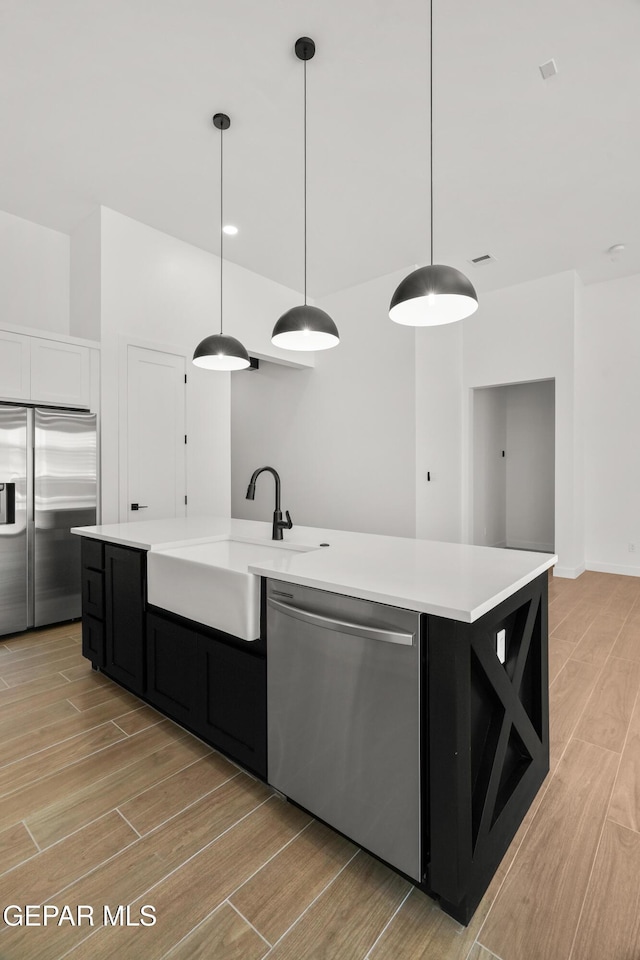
289,522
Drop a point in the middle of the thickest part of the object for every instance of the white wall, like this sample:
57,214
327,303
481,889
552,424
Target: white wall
610,389
489,440
85,273
341,436
530,465
438,441
527,332
34,275
160,292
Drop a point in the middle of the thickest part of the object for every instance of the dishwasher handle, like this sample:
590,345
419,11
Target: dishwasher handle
342,626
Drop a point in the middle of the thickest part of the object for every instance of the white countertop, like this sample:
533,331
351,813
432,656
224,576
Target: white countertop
453,580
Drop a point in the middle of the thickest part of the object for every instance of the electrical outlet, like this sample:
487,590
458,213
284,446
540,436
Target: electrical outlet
501,645
632,548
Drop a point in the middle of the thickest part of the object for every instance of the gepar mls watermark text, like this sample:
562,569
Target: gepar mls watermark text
78,915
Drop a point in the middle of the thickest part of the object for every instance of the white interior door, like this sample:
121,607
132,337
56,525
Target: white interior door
156,470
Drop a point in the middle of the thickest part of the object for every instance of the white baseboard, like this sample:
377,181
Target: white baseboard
530,545
623,569
500,543
569,573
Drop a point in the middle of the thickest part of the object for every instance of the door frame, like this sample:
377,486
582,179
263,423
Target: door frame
124,342
468,519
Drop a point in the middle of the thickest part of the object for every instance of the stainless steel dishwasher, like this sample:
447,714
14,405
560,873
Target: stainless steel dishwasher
343,705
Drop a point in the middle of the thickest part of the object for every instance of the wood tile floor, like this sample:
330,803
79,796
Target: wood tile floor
105,803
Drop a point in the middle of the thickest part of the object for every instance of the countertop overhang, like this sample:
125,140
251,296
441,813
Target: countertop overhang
453,580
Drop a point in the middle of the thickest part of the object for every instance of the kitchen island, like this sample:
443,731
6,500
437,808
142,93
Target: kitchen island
481,669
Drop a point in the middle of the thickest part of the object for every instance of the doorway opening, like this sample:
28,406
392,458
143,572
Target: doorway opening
513,466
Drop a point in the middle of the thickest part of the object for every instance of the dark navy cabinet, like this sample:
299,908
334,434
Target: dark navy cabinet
92,565
212,683
172,653
113,602
232,701
125,590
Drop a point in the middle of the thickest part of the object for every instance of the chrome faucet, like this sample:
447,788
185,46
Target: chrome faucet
278,523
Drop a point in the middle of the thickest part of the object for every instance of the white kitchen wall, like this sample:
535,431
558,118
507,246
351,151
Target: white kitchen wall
530,464
342,436
438,401
85,273
528,332
160,292
489,440
610,388
34,275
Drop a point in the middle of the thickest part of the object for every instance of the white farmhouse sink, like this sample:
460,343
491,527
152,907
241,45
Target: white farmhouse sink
210,582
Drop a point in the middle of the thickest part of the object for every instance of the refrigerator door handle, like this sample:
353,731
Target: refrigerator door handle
7,503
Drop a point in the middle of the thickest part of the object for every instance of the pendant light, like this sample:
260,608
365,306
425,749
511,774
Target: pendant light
220,351
437,294
305,327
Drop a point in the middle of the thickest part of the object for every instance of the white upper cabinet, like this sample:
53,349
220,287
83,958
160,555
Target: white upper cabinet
46,370
60,373
15,366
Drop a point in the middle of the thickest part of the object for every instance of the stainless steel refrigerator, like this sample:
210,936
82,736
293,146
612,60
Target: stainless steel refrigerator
47,486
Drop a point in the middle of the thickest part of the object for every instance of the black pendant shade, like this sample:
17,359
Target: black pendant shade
219,351
433,295
305,328
436,294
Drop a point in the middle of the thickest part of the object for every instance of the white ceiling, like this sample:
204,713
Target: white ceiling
110,102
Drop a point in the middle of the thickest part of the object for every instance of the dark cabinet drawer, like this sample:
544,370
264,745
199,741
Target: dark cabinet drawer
92,593
93,640
92,554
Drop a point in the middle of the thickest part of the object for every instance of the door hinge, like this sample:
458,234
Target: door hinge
185,378
185,438
185,499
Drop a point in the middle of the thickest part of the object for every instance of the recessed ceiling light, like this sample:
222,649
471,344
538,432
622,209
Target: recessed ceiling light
229,229
616,251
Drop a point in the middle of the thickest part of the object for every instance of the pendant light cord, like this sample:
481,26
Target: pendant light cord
221,223
305,182
431,126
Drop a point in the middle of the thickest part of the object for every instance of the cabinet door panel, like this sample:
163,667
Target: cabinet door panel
233,702
92,593
60,373
124,615
15,366
92,554
93,640
171,668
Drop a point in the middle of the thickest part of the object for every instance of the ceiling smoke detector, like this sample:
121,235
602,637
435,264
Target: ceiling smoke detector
481,260
548,69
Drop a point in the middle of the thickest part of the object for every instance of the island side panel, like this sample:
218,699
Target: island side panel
488,740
